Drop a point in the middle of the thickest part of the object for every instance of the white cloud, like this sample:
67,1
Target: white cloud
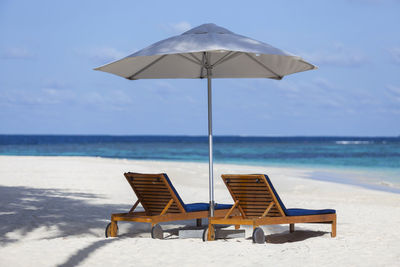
103,55
179,27
113,99
166,86
16,53
338,55
394,89
29,97
317,92
299,87
288,86
55,84
56,96
393,92
395,53
323,83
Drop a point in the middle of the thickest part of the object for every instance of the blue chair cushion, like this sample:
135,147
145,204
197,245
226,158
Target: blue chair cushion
205,206
275,193
296,212
302,212
173,189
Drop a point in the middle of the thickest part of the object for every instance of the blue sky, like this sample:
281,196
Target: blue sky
48,50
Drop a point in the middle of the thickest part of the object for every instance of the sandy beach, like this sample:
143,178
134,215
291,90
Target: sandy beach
53,212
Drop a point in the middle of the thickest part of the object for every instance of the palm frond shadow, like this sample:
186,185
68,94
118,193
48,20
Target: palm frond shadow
64,213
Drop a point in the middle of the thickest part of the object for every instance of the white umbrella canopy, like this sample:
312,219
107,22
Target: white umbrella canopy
208,51
228,54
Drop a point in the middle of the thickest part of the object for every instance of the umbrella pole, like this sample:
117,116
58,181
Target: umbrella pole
210,145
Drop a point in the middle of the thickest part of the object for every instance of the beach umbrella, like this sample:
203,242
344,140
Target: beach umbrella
208,51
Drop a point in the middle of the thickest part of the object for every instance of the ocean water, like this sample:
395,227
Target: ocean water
377,157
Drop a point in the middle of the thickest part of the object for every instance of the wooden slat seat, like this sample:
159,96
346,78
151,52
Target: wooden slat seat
259,204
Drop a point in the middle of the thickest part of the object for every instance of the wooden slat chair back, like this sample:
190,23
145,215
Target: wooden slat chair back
155,193
253,196
161,203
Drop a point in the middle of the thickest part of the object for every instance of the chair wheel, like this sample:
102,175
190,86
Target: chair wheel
258,236
108,230
157,232
205,234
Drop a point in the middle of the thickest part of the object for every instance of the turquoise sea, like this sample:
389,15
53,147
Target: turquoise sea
372,161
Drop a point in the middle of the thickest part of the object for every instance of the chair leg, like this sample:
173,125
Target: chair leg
237,226
211,233
113,229
291,227
333,233
198,222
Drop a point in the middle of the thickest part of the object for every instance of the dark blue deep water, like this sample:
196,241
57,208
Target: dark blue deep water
364,152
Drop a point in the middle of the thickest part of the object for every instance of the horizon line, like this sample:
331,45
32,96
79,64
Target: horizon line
194,135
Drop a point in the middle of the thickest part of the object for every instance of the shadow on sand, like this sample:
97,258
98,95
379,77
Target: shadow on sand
82,254
63,213
296,236
282,235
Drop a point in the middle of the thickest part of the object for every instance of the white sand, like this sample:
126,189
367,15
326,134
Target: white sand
53,211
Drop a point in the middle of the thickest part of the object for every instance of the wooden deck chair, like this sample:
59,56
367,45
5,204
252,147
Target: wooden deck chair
259,204
161,203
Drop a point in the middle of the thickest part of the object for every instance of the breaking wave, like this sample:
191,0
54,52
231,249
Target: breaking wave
353,142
